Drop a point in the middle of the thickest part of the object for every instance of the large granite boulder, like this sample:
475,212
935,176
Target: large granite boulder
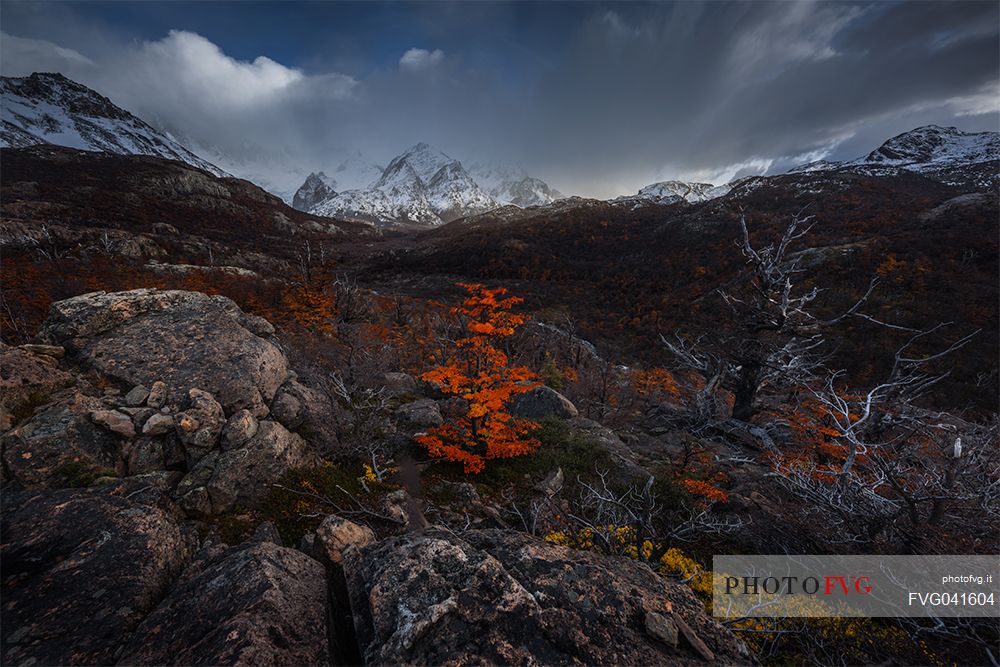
62,445
256,604
184,339
421,413
81,568
542,402
503,597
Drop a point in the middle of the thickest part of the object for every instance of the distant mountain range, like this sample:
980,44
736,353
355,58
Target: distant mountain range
945,154
426,187
422,186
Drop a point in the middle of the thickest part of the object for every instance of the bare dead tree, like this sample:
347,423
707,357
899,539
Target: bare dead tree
366,427
631,520
775,338
905,469
352,302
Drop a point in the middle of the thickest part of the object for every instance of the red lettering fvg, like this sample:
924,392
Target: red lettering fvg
860,585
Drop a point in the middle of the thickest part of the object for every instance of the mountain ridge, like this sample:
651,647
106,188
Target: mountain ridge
49,108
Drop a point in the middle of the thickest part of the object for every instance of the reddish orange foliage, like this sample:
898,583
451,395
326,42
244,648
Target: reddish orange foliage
656,382
697,487
480,374
309,304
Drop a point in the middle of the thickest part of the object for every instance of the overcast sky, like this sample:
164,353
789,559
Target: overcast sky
597,99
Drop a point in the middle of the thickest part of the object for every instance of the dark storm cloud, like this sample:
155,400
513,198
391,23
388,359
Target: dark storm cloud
596,99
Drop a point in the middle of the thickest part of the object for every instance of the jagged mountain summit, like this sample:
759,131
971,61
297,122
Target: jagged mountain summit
48,108
946,154
354,173
317,187
420,186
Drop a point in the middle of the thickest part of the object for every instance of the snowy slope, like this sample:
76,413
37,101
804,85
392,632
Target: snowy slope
48,108
677,190
933,147
946,154
356,172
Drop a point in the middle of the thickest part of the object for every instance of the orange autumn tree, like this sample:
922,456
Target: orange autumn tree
480,373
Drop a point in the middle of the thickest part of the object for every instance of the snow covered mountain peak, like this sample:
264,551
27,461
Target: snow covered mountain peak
681,190
48,108
946,154
424,185
512,185
933,146
317,187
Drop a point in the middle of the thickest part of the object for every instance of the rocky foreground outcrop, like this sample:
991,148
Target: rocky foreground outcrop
502,597
171,383
256,604
187,339
171,408
81,569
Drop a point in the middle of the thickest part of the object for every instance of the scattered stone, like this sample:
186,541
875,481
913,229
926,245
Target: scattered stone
157,394
200,426
661,627
400,383
257,604
694,640
139,416
239,429
542,402
421,413
552,484
298,407
266,532
220,480
114,421
56,351
335,535
287,409
136,396
158,424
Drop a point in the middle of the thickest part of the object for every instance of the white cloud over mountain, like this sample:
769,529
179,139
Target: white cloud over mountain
623,98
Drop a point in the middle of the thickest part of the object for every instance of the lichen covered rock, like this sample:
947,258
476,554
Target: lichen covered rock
257,604
502,597
183,339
